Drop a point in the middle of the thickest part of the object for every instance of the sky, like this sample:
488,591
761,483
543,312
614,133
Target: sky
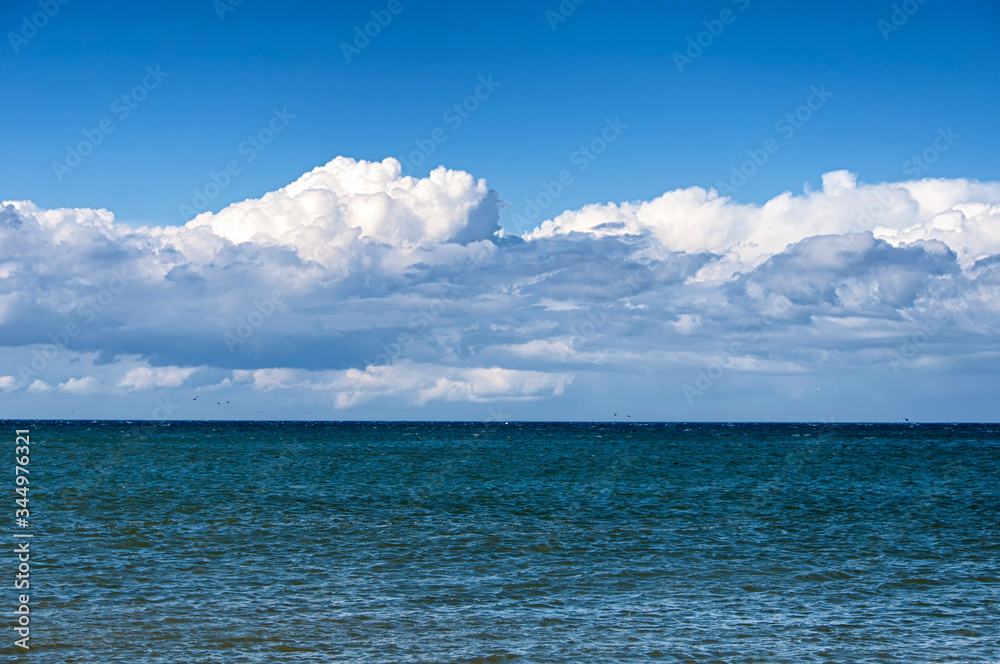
728,210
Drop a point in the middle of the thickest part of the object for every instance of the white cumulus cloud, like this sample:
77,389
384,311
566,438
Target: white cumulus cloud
418,383
357,283
964,214
147,378
85,385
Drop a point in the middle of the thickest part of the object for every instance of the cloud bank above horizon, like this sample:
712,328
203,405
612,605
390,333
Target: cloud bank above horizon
356,285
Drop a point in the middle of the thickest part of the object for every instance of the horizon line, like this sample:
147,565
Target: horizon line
509,422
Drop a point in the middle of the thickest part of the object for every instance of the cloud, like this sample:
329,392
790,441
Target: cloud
7,382
147,378
85,385
326,213
963,214
358,284
854,273
419,383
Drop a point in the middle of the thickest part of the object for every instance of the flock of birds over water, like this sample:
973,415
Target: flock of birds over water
313,412
260,412
354,412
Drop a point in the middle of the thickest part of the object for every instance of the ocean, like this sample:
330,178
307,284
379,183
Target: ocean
433,542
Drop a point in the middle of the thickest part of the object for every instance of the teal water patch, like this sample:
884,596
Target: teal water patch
409,542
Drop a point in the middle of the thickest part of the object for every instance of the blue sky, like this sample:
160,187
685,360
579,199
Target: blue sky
265,89
557,87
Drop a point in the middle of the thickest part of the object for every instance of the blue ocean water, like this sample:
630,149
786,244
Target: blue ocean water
410,542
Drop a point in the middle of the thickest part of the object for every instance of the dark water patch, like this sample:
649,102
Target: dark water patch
305,542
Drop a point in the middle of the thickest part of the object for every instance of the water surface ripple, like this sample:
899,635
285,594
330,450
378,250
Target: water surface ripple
303,542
